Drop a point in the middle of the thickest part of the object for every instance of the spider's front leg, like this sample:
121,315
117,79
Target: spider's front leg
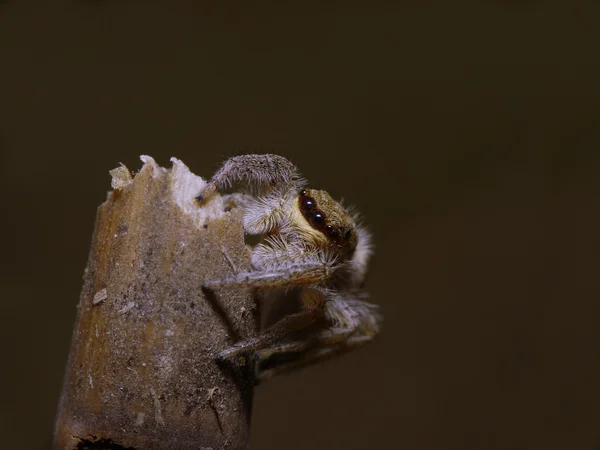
255,171
290,275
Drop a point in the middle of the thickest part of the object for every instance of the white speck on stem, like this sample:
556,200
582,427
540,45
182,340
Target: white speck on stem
139,421
99,297
127,307
211,394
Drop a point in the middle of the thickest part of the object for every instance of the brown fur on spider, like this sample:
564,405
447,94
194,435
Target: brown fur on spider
309,242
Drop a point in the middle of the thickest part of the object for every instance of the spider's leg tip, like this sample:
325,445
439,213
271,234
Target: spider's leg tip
208,288
227,358
205,194
241,353
221,359
228,354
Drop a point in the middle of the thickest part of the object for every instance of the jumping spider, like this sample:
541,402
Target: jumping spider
310,243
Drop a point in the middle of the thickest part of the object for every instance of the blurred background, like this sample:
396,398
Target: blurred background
466,132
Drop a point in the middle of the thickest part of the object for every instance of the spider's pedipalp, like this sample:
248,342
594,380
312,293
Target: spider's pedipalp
264,214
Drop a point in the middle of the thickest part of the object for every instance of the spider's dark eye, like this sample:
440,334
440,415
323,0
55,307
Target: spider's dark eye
303,192
308,204
332,232
317,219
347,235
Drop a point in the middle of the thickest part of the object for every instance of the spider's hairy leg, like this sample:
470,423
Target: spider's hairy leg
282,265
313,302
353,323
255,171
299,274
282,271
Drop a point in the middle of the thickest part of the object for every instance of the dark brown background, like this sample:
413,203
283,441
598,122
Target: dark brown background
467,132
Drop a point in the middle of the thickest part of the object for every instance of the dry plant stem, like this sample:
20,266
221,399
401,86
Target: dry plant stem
141,372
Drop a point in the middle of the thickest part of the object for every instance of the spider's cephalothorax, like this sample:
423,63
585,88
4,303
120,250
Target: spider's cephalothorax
309,242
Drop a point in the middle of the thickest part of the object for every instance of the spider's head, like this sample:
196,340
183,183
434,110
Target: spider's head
330,220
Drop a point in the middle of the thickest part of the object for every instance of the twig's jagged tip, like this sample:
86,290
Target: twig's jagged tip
177,166
180,171
150,165
147,160
121,177
188,191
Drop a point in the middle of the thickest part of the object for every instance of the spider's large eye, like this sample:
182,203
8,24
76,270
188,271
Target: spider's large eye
307,204
317,219
303,192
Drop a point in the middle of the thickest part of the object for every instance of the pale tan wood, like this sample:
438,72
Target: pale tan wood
141,372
